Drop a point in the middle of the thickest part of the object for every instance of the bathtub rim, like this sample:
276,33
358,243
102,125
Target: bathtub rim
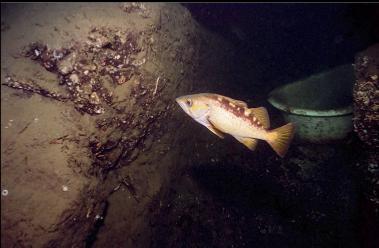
348,110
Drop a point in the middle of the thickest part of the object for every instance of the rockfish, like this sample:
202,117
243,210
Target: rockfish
221,114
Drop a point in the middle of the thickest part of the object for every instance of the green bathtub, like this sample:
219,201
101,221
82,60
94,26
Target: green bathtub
320,106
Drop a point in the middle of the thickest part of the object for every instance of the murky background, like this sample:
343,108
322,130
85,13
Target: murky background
95,152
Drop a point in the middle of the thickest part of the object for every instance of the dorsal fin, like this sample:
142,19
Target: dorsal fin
237,102
262,116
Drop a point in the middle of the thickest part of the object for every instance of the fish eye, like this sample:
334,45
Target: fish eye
189,102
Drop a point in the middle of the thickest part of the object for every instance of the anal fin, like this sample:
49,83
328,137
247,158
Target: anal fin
248,142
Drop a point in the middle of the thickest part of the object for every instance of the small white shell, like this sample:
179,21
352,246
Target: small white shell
64,188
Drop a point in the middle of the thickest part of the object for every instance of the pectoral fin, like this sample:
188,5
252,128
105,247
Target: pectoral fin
205,122
215,130
248,142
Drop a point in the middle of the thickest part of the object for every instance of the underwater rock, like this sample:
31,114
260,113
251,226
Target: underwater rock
366,96
366,119
66,65
132,128
108,52
74,78
33,87
98,40
136,7
94,98
48,58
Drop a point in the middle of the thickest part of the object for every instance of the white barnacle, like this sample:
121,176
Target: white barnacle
254,119
36,52
4,192
99,217
232,105
247,112
143,61
57,55
64,188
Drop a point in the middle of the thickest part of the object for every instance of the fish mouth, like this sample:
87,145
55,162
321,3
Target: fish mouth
180,102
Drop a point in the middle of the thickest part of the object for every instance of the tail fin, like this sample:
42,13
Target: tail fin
280,138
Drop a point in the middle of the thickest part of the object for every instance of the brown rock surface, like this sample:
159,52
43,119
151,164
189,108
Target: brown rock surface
366,97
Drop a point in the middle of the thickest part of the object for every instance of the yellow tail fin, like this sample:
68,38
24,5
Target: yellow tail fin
280,138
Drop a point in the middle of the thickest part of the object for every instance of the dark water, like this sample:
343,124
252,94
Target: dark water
290,41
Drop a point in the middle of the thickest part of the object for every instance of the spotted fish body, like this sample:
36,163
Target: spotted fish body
221,114
235,119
